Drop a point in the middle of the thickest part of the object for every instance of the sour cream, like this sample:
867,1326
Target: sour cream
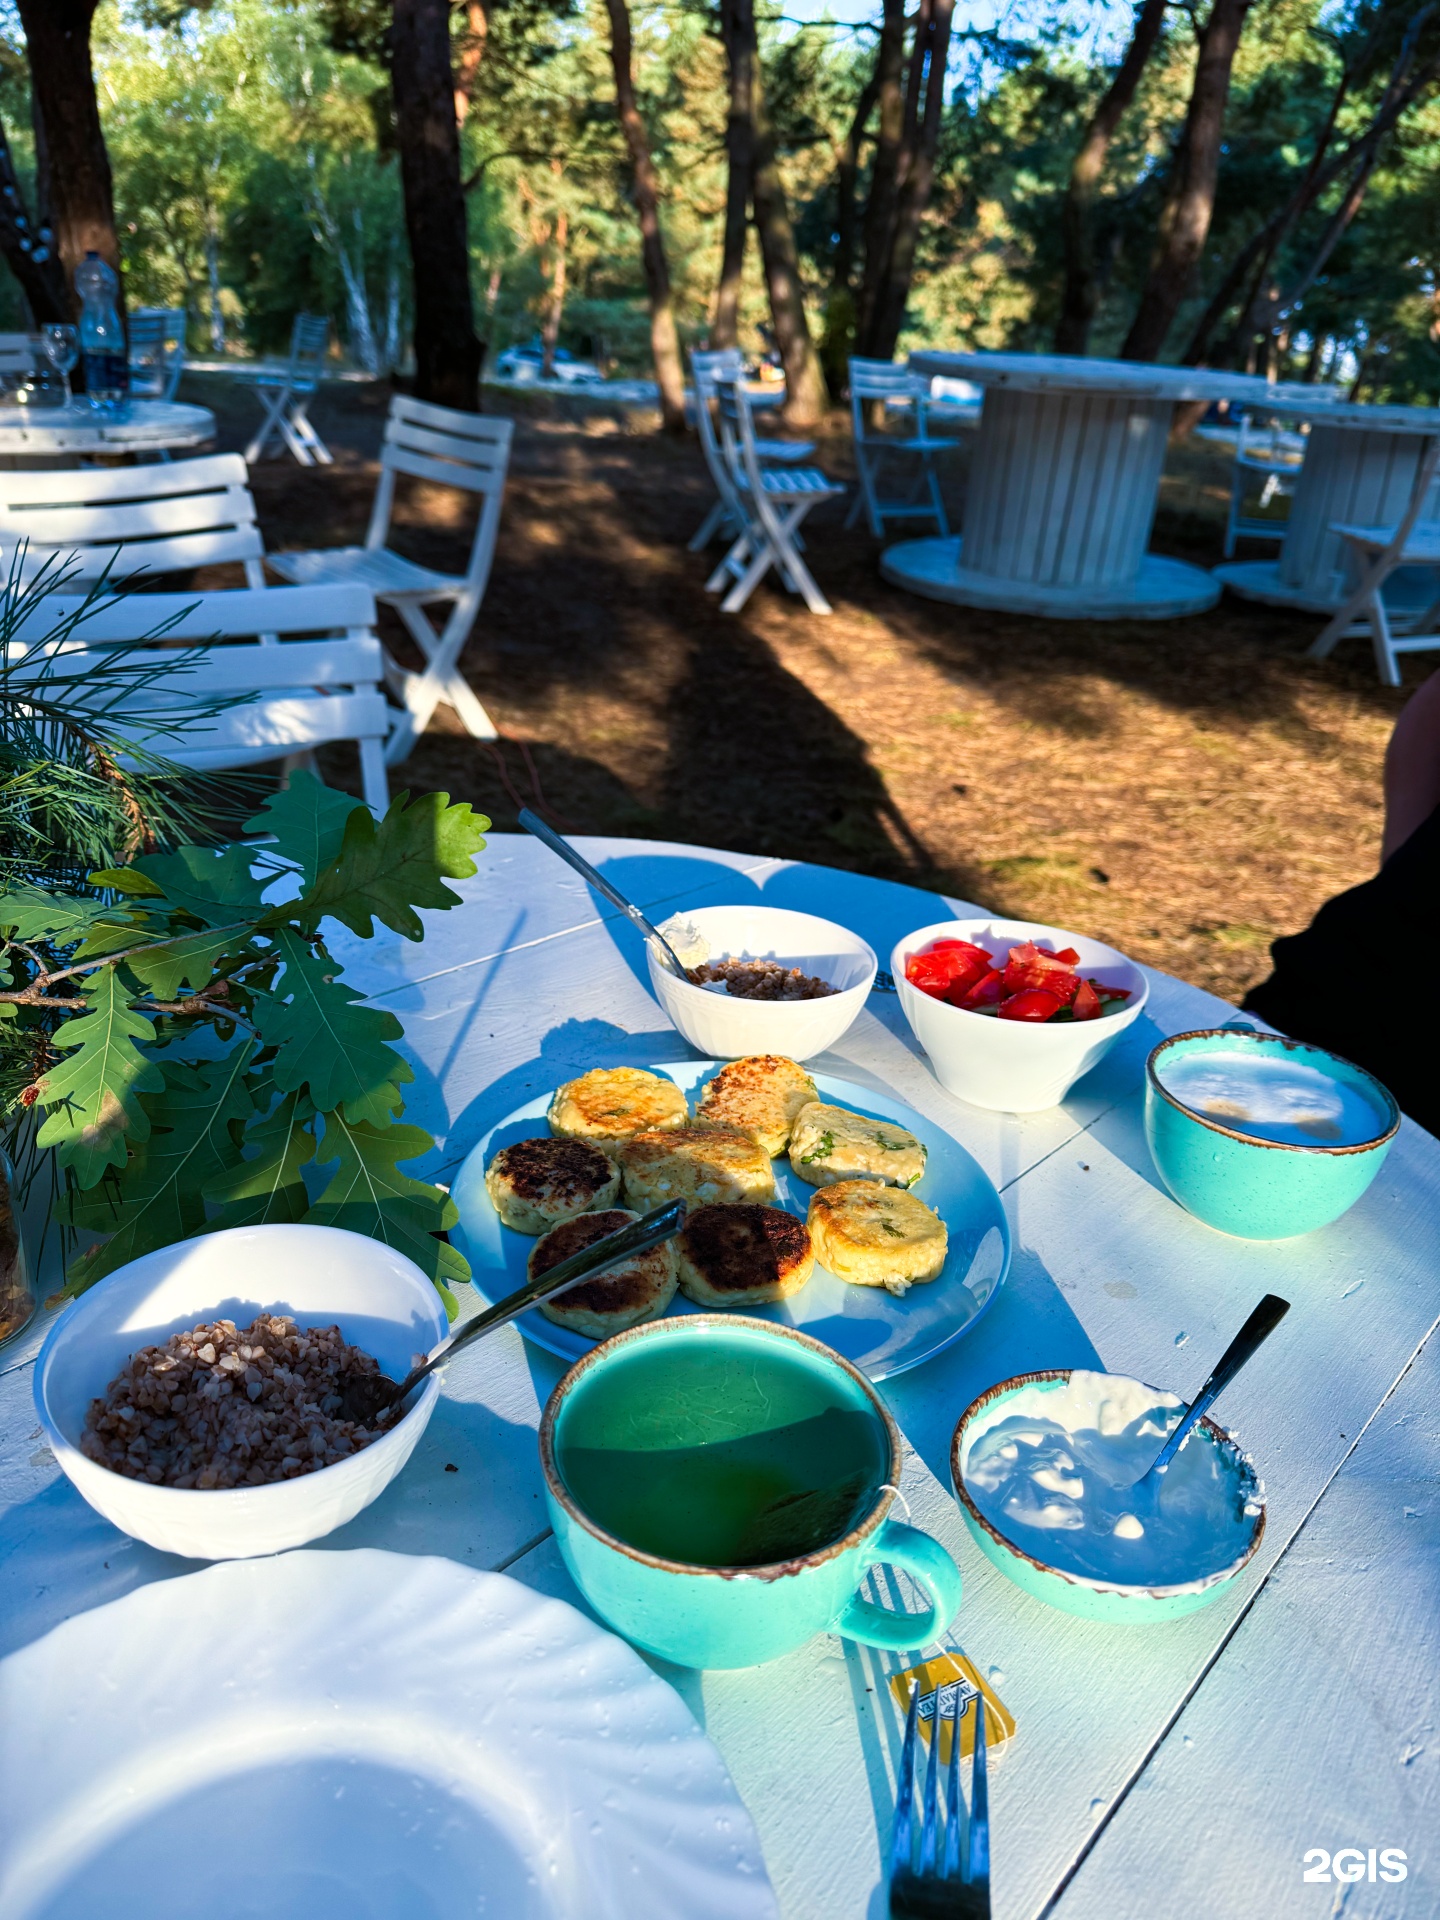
688,943
1056,1475
1273,1095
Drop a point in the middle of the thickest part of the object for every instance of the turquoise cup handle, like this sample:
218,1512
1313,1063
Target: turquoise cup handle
925,1560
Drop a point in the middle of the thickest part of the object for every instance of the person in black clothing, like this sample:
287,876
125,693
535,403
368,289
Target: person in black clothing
1331,985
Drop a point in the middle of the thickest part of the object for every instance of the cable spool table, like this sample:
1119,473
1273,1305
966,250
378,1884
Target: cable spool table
145,428
1063,489
1359,467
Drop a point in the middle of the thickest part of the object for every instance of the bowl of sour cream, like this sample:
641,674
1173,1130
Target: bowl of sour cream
1261,1136
1046,1468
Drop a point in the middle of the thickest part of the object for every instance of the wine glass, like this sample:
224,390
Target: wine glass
61,344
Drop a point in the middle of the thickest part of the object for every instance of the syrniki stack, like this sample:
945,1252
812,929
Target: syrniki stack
535,1184
832,1143
640,1290
761,1095
876,1236
742,1256
703,1166
611,1104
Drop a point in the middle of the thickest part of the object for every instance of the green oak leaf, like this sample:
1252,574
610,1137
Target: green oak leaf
160,1196
368,1194
308,822
189,960
34,913
217,888
328,1040
93,1112
268,1186
386,869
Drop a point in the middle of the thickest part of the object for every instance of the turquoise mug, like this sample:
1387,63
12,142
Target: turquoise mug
672,1432
1241,1183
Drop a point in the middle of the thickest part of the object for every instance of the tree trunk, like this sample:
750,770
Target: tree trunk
737,24
924,109
884,172
28,248
553,310
447,353
838,339
804,382
82,204
471,55
1185,222
664,340
1081,292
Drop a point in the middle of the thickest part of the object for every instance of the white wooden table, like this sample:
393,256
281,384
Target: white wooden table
146,428
1161,1772
1063,488
1360,465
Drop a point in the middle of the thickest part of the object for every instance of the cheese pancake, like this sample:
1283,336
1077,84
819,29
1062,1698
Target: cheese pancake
876,1236
700,1165
535,1184
831,1143
760,1095
611,1104
640,1290
742,1256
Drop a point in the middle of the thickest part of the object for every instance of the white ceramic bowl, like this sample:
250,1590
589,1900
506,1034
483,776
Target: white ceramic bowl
321,1276
725,1028
1014,1066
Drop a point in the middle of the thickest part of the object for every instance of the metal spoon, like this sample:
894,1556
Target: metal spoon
532,823
1256,1330
365,1396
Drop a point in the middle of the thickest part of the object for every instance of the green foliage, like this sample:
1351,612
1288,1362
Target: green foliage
208,1044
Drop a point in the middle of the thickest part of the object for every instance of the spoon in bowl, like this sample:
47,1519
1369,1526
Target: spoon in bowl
666,954
365,1396
1256,1330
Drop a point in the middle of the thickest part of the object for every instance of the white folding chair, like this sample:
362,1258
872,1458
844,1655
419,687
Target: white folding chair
306,692
1273,457
880,386
772,501
447,448
157,352
161,518
725,515
286,398
1405,621
19,352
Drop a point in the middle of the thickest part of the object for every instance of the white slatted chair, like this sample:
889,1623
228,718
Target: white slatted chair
725,515
1272,457
157,352
164,517
19,353
1407,559
904,397
772,502
307,692
286,397
466,450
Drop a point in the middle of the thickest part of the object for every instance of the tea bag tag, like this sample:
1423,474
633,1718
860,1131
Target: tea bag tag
941,1680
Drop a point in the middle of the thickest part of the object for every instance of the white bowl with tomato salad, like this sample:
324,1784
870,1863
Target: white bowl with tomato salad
1012,1013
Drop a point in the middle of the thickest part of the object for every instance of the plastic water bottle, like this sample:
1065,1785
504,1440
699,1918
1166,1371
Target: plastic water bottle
102,334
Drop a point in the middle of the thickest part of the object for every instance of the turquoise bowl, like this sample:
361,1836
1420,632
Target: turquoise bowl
1077,1593
1259,1189
699,1616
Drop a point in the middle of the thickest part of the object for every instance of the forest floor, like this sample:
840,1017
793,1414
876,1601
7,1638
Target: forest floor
1186,789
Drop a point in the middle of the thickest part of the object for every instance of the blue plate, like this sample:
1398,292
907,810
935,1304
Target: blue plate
879,1332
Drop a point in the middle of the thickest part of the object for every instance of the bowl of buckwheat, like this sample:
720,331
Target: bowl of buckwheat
194,1397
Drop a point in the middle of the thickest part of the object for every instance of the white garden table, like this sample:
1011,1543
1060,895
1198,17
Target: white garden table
146,428
1359,467
1170,1771
1063,488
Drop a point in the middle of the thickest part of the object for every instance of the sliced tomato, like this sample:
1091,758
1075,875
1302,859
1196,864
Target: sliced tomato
1086,1004
948,968
987,991
1031,1003
1068,954
1029,966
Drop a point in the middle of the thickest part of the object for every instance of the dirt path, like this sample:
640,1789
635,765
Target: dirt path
1186,789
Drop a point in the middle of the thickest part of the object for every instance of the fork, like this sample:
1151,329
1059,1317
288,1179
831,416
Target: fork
940,1888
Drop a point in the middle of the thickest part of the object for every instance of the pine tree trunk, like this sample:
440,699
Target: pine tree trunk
664,340
447,353
804,382
924,108
82,205
1185,222
737,22
881,205
553,310
1081,291
838,338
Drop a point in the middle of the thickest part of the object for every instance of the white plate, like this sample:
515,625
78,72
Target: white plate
358,1736
879,1332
